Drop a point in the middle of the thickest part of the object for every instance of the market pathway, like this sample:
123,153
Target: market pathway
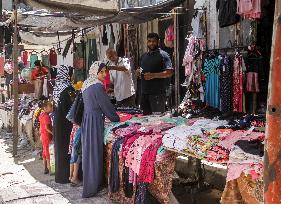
22,180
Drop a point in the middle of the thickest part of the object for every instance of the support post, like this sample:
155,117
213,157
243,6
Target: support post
272,155
176,55
15,82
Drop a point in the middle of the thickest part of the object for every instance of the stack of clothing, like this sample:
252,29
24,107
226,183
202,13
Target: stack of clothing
139,142
180,137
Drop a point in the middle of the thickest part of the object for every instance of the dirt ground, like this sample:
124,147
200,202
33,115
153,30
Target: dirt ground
22,181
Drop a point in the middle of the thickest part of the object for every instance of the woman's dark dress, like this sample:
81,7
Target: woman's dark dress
62,130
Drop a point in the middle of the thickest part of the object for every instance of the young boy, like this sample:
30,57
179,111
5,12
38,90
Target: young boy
46,133
75,144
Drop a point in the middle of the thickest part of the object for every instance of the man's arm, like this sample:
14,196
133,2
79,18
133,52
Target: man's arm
160,75
118,68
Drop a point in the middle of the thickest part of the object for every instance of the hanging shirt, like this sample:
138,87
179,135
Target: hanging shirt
227,12
33,59
53,57
122,81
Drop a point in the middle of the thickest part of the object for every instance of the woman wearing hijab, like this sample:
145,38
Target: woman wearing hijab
96,105
63,99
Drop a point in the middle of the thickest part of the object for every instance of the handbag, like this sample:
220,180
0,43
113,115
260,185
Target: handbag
79,109
76,111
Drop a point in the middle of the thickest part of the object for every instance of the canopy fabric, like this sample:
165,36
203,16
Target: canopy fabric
85,7
38,40
125,16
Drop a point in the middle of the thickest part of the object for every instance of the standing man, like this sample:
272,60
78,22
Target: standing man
156,66
121,77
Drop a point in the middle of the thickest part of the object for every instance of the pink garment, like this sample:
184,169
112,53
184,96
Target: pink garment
235,170
133,159
146,173
249,8
252,82
128,130
156,127
127,144
169,37
74,130
106,81
228,140
188,59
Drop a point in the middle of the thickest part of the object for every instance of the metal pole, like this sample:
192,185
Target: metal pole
272,157
176,54
15,82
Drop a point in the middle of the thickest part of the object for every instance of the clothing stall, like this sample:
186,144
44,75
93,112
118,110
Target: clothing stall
226,90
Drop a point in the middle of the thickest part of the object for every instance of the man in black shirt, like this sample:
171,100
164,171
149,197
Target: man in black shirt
155,67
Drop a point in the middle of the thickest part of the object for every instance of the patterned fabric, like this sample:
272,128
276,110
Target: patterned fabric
62,82
146,173
238,84
73,132
161,186
211,71
226,84
93,76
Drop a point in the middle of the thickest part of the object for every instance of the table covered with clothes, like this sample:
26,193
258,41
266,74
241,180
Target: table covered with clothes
138,167
232,139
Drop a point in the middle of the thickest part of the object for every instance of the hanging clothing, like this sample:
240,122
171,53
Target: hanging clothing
53,57
249,9
226,71
96,105
227,12
33,58
45,60
211,71
169,37
197,25
238,68
24,57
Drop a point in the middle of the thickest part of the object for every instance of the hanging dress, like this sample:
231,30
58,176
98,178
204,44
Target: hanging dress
212,84
238,67
226,72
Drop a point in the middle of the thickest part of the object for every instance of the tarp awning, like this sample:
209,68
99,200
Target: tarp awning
85,7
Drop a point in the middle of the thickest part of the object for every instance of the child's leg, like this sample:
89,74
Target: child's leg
49,165
71,172
75,173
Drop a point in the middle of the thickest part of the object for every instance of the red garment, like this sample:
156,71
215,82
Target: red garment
127,144
146,173
2,64
24,57
124,116
45,137
37,74
53,57
106,81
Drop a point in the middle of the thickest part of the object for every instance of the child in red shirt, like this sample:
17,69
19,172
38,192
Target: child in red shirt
46,133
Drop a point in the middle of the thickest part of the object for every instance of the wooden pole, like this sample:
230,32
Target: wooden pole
272,153
15,82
